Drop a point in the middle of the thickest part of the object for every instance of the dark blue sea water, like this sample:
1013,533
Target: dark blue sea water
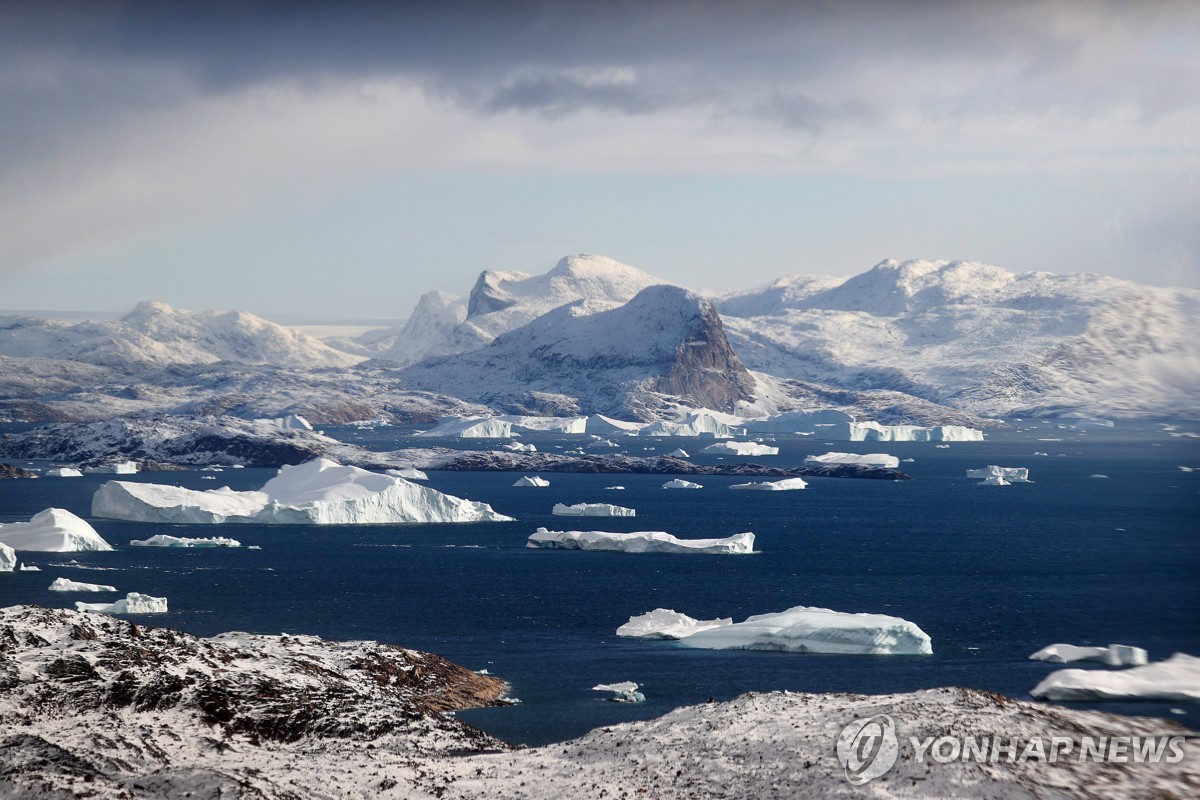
991,573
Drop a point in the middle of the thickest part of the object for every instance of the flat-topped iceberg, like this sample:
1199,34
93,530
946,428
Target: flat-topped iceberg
592,510
68,585
863,459
664,623
319,492
471,428
54,530
680,483
63,472
640,542
785,485
624,692
8,558
1115,655
533,481
804,629
874,432
742,449
164,540
1176,680
528,424
1006,474
132,603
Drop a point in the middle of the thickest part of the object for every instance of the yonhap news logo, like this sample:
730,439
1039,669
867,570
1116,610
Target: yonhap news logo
869,747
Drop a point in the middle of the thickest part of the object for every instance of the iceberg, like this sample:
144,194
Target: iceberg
679,452
517,447
408,473
68,585
8,558
624,692
874,432
471,428
116,468
1177,679
742,449
63,472
994,480
640,542
1115,655
680,483
163,540
292,422
319,492
607,426
804,629
28,568
54,530
863,459
615,488
787,484
664,623
798,421
133,603
592,510
565,425
1009,474
534,481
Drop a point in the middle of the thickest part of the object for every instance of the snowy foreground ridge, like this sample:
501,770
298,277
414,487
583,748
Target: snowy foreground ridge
320,492
640,542
137,712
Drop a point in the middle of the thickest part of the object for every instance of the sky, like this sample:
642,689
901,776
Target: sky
338,160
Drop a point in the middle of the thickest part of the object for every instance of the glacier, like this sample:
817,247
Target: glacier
804,629
742,449
68,585
164,540
787,484
132,603
863,459
665,623
1114,655
319,492
1177,680
640,542
592,510
54,530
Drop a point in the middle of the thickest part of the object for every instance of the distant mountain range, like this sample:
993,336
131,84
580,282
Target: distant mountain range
921,341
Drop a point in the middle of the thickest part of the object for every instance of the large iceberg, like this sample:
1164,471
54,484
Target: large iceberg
116,468
640,542
699,423
607,426
874,432
664,623
471,428
63,472
566,425
804,629
320,492
54,530
742,449
680,483
863,459
592,510
132,603
68,585
1006,475
8,558
532,481
1115,655
164,540
1176,680
785,485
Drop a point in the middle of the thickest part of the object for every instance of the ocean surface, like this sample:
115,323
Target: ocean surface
990,573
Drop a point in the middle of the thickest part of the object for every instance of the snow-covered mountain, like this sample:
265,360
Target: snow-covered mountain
980,338
156,335
666,345
500,301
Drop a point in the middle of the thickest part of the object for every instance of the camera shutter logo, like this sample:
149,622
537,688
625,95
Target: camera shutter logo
867,748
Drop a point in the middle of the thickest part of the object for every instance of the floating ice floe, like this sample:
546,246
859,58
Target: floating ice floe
624,692
863,459
640,542
8,558
163,540
68,585
803,629
320,492
1000,476
1176,679
680,483
1097,475
28,568
54,530
615,488
408,473
742,449
117,468
63,472
517,447
942,446
785,485
132,603
664,623
532,481
679,452
1115,655
592,510
601,444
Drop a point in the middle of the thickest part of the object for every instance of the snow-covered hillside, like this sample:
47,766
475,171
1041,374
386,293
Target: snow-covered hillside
156,335
980,338
589,357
